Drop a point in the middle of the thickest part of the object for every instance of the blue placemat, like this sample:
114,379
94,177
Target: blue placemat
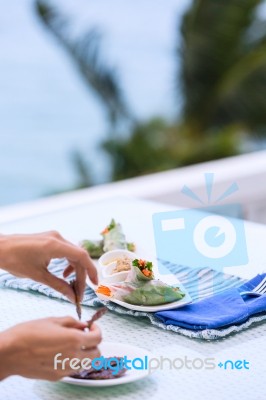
200,283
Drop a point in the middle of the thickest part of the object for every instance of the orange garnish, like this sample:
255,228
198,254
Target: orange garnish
142,263
104,290
146,272
106,230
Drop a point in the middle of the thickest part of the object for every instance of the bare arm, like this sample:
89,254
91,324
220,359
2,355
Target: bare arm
28,256
29,349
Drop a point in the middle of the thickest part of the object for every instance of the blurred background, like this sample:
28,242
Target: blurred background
98,91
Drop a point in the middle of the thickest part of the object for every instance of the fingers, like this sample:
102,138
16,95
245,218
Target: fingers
92,338
58,247
90,353
85,262
59,284
76,256
68,271
69,322
80,283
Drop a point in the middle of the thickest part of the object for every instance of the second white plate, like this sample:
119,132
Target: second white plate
109,349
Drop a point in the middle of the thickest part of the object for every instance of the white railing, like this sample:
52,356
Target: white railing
248,171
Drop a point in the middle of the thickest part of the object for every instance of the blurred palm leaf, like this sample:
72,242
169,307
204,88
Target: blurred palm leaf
223,58
223,76
83,169
85,52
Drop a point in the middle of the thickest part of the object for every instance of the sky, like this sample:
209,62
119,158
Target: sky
45,109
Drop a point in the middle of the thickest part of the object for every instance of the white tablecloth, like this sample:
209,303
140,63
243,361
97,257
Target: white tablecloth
186,384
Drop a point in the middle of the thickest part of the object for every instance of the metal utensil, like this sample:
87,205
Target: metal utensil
99,313
77,298
259,290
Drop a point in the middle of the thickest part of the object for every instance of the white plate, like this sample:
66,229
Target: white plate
168,278
107,263
169,306
109,349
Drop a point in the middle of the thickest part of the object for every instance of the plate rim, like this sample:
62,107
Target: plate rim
162,307
111,382
146,309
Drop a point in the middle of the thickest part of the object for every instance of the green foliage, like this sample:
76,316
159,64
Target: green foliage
223,74
83,170
223,58
145,151
157,146
223,71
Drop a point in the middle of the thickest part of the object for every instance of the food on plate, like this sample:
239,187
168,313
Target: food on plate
102,289
153,293
150,293
140,287
93,247
131,246
145,267
116,264
122,264
104,372
112,238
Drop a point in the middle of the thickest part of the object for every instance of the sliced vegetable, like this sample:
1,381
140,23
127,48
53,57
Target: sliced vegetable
131,246
93,247
104,290
145,267
113,238
109,227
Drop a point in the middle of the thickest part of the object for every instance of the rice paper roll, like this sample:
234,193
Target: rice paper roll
140,287
149,293
93,247
153,293
141,270
113,237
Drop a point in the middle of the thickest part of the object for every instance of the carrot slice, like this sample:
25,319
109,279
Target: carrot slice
146,272
104,290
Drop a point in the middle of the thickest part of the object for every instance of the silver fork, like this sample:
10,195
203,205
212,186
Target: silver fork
259,290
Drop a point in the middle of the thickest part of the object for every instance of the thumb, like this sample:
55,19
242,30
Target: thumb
69,322
60,285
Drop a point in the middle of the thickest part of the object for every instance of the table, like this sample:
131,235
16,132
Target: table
85,221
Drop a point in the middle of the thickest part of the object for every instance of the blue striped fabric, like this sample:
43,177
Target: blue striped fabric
200,283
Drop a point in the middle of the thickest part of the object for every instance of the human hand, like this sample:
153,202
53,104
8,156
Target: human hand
28,256
29,349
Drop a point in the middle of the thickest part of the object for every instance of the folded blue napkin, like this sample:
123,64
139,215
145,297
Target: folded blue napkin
219,311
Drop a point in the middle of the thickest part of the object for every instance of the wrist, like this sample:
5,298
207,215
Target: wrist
4,250
7,365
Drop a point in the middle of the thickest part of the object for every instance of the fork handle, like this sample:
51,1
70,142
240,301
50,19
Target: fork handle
254,294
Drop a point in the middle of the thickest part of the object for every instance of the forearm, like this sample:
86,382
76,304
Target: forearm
28,256
5,251
6,346
6,356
